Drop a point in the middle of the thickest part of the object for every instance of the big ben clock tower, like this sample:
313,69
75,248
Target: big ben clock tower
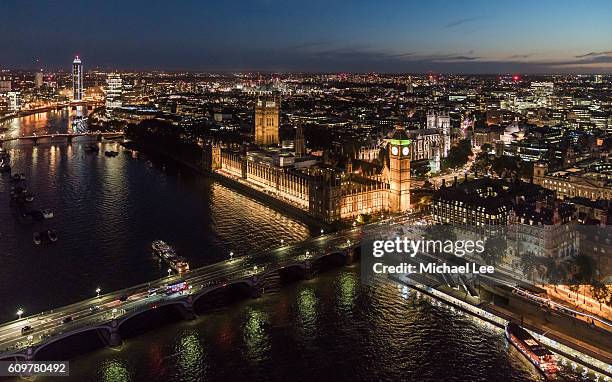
399,171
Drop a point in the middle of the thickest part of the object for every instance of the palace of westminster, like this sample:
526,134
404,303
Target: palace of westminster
324,191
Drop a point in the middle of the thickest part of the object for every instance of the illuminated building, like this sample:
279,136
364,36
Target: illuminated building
77,79
573,182
441,122
369,153
5,85
325,193
542,92
486,135
299,144
409,85
114,90
476,202
335,196
38,80
267,121
14,101
425,143
487,201
399,171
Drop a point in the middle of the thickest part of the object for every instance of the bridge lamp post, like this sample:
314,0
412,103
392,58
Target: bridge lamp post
282,241
30,338
19,313
231,255
255,268
322,231
169,271
114,312
98,290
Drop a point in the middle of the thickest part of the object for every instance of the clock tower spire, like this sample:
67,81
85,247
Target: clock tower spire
399,171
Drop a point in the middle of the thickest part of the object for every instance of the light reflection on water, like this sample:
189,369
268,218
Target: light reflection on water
381,337
107,212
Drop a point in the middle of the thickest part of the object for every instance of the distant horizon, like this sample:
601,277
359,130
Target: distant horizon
467,37
271,72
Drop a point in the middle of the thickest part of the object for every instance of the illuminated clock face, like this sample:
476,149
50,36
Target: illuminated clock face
405,151
394,150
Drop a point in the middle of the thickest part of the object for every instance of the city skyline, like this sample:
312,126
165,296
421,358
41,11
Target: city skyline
226,191
474,37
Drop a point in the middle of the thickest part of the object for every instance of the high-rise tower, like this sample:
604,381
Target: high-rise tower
409,85
399,171
38,79
299,144
267,120
114,91
77,79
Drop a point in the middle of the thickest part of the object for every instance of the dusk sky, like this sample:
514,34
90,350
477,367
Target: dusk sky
385,36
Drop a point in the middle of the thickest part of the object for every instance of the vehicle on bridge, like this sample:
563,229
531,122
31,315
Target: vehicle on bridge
176,288
26,329
67,320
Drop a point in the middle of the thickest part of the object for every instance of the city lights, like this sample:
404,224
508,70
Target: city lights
331,182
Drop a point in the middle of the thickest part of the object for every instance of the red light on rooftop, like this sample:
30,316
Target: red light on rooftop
516,78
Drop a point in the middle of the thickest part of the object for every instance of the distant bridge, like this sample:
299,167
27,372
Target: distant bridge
68,136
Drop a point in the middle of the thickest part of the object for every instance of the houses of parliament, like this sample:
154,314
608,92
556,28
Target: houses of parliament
305,181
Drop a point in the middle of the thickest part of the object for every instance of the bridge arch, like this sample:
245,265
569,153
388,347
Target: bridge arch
231,291
100,330
183,304
331,257
152,317
287,272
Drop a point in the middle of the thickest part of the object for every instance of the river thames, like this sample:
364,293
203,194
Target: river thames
109,209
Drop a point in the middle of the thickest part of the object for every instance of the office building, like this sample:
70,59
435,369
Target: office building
77,79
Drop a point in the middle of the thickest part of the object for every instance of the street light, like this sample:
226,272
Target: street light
169,271
19,313
322,231
98,290
282,241
231,255
114,312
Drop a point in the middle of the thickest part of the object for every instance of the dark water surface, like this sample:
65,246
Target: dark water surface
107,212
